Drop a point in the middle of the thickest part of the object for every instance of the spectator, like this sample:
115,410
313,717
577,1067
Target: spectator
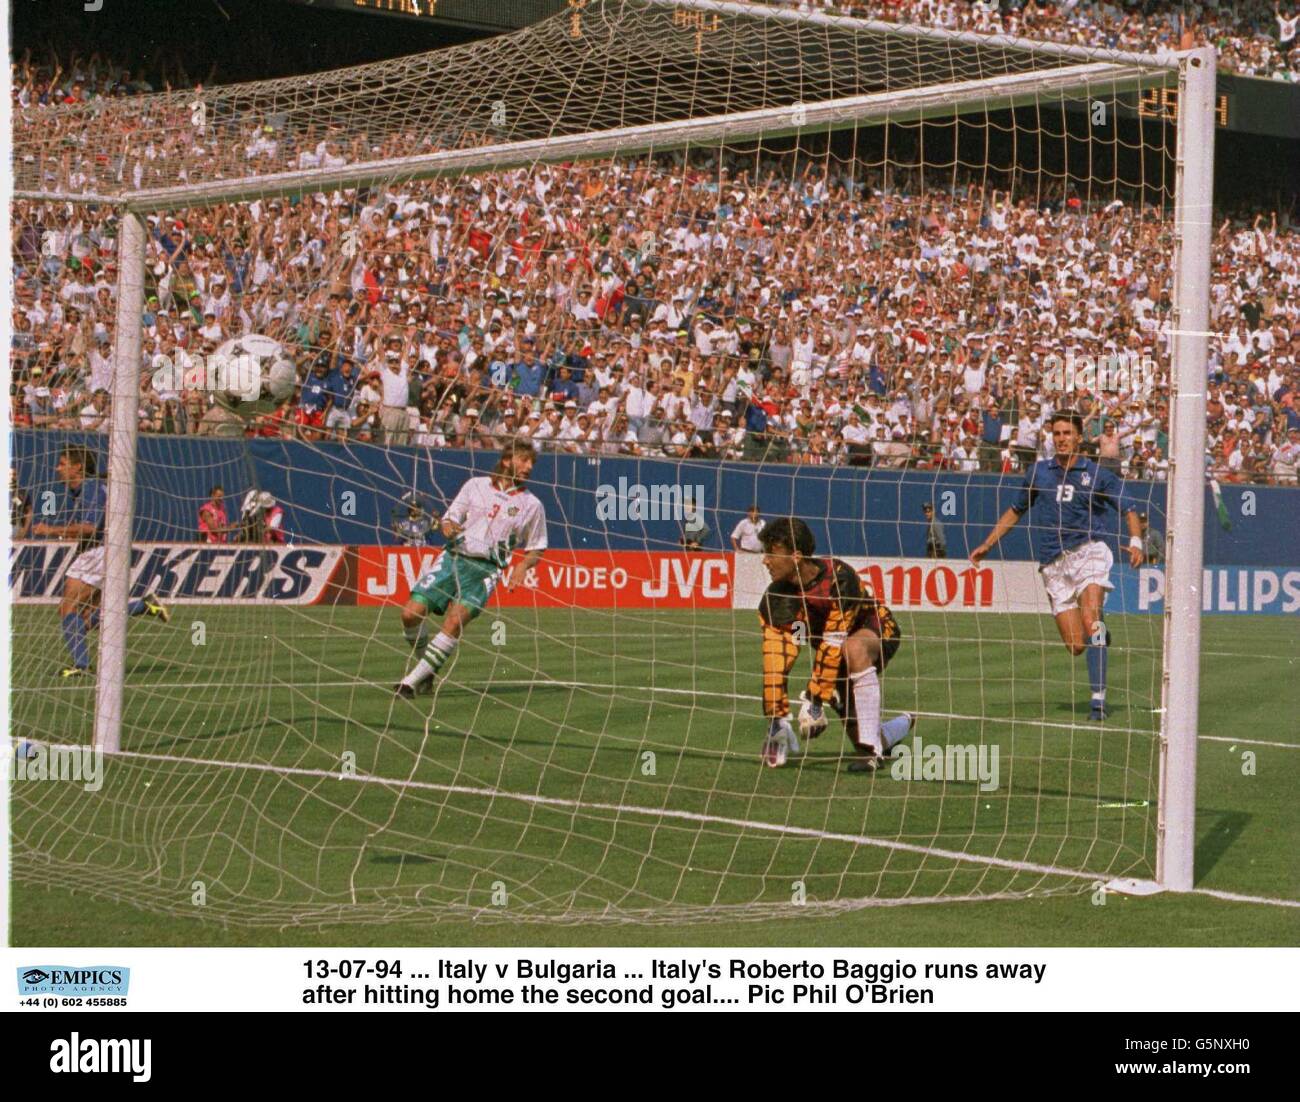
744,537
313,399
214,526
395,390
221,421
1153,542
262,520
802,362
695,531
936,541
95,415
1286,458
20,508
341,398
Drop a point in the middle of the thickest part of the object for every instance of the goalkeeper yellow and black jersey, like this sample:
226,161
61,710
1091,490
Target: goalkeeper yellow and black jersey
821,615
837,600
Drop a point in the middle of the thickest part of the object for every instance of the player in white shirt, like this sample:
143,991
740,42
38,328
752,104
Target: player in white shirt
488,519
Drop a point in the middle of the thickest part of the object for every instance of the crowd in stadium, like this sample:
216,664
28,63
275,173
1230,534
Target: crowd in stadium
764,311
1256,38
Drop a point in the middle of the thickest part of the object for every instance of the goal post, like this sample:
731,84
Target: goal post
120,511
1194,227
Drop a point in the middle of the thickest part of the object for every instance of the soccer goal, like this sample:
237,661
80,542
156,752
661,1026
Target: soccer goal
752,206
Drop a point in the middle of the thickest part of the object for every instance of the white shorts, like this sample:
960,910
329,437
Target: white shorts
1068,575
88,567
338,419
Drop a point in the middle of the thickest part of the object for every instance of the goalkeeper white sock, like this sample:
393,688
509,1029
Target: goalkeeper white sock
866,707
435,656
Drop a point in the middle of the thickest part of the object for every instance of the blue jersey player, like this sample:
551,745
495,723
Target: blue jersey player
80,517
1075,506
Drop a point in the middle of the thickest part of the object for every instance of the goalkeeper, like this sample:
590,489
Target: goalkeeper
824,604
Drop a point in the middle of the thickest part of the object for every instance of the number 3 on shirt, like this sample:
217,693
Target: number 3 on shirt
1065,492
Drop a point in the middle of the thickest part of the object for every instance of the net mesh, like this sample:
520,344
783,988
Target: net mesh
591,752
605,66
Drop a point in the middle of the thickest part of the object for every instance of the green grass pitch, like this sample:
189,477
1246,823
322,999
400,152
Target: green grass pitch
589,777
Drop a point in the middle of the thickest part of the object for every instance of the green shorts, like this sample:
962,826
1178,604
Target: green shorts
466,581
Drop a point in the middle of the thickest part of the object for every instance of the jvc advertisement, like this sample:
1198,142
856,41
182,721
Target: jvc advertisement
200,573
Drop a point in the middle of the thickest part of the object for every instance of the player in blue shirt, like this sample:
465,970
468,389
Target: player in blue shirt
1075,507
80,517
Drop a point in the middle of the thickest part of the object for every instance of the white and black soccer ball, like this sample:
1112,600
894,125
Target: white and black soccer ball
253,374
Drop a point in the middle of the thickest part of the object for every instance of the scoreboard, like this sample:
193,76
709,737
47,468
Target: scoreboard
488,15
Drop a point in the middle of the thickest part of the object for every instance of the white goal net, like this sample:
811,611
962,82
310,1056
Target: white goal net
703,257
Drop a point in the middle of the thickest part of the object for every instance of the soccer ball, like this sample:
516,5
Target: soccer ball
253,374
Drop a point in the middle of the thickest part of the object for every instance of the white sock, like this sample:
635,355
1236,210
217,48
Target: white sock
416,634
435,655
437,652
421,670
866,707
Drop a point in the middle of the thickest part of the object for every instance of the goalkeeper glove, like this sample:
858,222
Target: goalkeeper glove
812,717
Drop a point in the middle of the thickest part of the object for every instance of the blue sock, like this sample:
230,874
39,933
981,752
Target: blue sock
1097,666
893,731
134,608
74,637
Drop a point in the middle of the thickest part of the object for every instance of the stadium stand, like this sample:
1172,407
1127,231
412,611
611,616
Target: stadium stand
796,313
1255,38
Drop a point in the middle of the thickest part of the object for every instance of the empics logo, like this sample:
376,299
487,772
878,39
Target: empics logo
105,1056
50,979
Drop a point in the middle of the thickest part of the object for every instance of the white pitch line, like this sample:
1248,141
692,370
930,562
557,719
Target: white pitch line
1237,897
672,813
915,711
666,690
1250,742
618,809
